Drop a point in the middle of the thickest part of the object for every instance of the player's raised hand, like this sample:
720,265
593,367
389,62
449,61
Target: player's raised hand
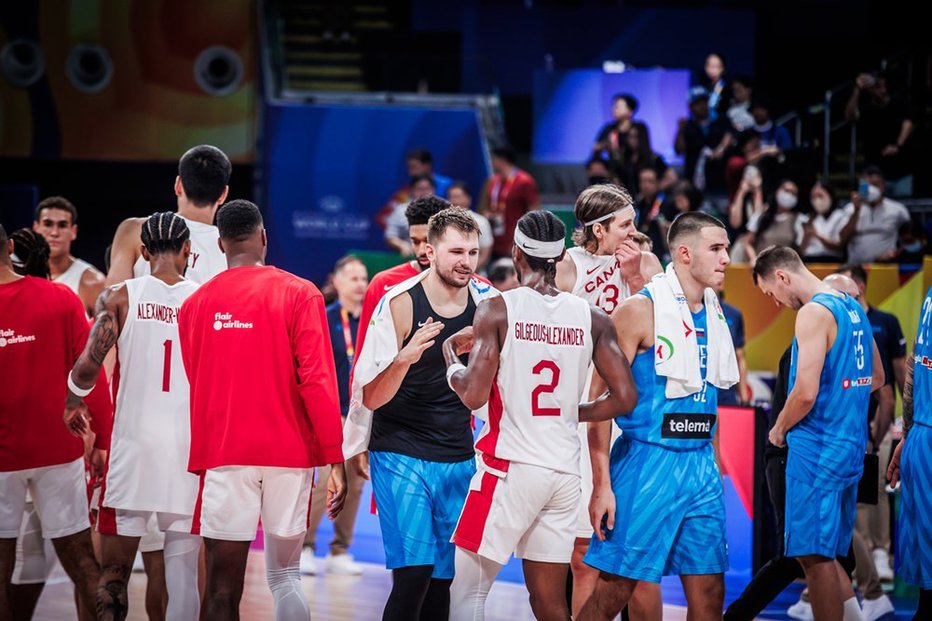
628,255
893,470
602,511
420,342
462,341
75,415
336,490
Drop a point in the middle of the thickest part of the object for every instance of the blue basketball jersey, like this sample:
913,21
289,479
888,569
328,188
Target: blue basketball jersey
827,446
683,423
922,366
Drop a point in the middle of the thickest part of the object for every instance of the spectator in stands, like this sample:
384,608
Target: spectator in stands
702,141
610,143
740,393
639,156
599,171
747,201
884,125
648,205
775,225
913,245
349,281
818,235
774,136
418,163
643,241
714,82
509,194
872,221
396,226
746,154
460,196
739,108
503,276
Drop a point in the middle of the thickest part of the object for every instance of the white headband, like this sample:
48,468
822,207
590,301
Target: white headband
539,249
608,216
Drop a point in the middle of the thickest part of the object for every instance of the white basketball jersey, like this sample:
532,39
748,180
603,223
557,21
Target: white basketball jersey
206,260
598,279
534,406
71,277
151,429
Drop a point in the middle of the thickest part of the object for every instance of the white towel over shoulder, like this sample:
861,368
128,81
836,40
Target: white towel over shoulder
674,322
380,349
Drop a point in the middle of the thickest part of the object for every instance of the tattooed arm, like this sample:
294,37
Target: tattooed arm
908,397
110,311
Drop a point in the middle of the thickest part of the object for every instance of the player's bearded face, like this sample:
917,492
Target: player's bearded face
455,257
418,235
617,230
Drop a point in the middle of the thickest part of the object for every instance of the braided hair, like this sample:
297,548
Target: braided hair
164,232
542,226
32,254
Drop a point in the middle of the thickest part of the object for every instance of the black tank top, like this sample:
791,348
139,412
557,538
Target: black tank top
425,419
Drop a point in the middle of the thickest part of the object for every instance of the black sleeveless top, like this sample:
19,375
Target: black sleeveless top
426,419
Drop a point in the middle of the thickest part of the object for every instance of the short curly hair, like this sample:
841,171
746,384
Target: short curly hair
421,209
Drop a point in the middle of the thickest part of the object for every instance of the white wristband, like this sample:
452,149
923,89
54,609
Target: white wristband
80,392
453,368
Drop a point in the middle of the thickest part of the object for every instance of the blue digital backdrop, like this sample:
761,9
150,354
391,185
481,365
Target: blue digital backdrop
328,170
570,107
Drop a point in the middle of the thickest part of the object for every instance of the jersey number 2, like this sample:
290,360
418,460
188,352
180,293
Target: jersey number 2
167,366
545,389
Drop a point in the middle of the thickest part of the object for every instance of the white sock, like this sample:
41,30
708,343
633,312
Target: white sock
471,584
283,572
852,610
181,553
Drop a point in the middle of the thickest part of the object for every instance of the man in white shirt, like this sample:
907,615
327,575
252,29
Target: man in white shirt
873,221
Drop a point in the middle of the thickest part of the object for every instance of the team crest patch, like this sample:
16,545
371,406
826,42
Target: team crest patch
664,349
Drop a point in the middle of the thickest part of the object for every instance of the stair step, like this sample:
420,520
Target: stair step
326,85
335,57
373,24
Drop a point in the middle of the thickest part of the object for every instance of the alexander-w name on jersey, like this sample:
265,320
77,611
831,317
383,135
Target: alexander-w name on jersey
552,335
153,311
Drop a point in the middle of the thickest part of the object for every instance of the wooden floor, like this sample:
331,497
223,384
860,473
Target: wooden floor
332,598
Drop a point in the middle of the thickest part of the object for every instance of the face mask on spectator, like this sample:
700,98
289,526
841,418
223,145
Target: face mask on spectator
596,180
913,247
873,194
786,200
821,204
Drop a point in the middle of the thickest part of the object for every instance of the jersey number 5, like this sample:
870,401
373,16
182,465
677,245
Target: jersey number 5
545,389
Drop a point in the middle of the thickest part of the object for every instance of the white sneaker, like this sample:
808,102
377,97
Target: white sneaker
874,609
343,564
138,564
308,562
882,564
800,610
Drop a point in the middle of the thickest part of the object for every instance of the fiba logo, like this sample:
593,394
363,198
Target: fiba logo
331,204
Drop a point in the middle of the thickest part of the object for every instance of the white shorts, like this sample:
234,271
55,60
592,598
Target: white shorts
35,555
150,526
531,511
583,524
60,496
233,498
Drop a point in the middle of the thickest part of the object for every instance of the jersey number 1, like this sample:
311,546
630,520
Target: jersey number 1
545,389
167,366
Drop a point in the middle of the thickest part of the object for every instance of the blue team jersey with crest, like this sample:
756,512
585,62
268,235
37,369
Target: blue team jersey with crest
827,447
922,366
684,423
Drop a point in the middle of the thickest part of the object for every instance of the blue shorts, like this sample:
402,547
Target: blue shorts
914,545
419,503
819,521
669,515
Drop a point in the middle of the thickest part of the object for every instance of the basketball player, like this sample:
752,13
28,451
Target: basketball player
147,471
658,505
420,448
418,212
260,425
531,348
201,187
823,422
42,326
57,221
604,267
912,465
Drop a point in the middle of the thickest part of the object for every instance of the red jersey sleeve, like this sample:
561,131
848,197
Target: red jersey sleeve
317,377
